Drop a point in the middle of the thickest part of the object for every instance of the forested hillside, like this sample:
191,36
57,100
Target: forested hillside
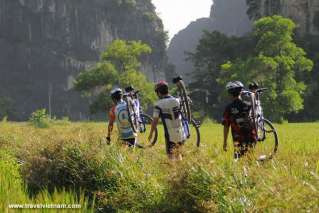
44,44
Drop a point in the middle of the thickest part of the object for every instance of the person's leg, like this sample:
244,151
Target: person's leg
172,150
179,148
243,148
237,150
247,142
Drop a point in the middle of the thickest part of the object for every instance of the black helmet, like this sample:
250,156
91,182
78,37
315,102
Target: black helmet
116,93
129,89
253,85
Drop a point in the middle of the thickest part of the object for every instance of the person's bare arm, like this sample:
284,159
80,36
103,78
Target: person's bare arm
153,127
110,127
226,132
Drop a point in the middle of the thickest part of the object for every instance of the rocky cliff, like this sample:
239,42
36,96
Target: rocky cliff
45,43
227,16
304,12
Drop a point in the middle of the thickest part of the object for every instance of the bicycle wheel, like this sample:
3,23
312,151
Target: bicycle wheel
195,133
144,130
192,132
184,100
268,142
261,133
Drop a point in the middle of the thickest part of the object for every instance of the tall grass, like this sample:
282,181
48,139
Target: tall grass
75,158
13,191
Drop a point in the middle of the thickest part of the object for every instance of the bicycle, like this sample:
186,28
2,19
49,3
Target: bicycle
187,118
140,121
267,137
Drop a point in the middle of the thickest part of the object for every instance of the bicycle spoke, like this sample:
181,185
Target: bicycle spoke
268,145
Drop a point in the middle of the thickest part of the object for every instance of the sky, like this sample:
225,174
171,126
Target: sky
177,14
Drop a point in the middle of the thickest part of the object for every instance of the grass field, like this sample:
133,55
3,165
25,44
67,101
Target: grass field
72,160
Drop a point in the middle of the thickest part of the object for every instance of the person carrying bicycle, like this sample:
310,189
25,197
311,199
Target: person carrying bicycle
237,116
169,110
119,114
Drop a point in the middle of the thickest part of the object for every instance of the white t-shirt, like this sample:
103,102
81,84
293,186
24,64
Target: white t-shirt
169,110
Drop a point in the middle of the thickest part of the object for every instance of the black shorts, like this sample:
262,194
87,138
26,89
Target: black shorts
129,142
172,146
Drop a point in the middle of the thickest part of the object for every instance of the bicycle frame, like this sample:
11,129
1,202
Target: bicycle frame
132,97
257,112
184,105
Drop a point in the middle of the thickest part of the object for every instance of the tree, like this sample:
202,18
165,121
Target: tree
310,113
277,63
6,107
126,55
119,66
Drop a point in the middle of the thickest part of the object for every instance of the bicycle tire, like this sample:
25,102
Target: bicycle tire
185,100
275,149
147,120
268,145
195,124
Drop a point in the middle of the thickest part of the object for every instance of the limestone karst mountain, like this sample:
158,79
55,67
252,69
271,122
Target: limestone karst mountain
304,12
227,16
45,43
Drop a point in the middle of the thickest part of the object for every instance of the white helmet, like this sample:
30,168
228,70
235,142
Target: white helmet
116,91
234,85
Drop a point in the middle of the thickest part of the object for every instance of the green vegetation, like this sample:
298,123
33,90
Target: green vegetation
310,113
75,158
12,190
6,107
40,119
277,63
214,49
268,56
120,65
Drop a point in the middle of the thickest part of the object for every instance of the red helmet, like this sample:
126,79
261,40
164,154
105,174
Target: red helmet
161,86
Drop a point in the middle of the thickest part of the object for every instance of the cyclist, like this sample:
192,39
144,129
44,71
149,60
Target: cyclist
237,115
119,114
169,110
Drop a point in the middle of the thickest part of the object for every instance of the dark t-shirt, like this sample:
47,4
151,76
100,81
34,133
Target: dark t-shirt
237,115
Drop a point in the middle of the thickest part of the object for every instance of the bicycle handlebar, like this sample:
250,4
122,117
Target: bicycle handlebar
131,94
261,90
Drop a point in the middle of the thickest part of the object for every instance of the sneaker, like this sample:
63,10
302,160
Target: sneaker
262,157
